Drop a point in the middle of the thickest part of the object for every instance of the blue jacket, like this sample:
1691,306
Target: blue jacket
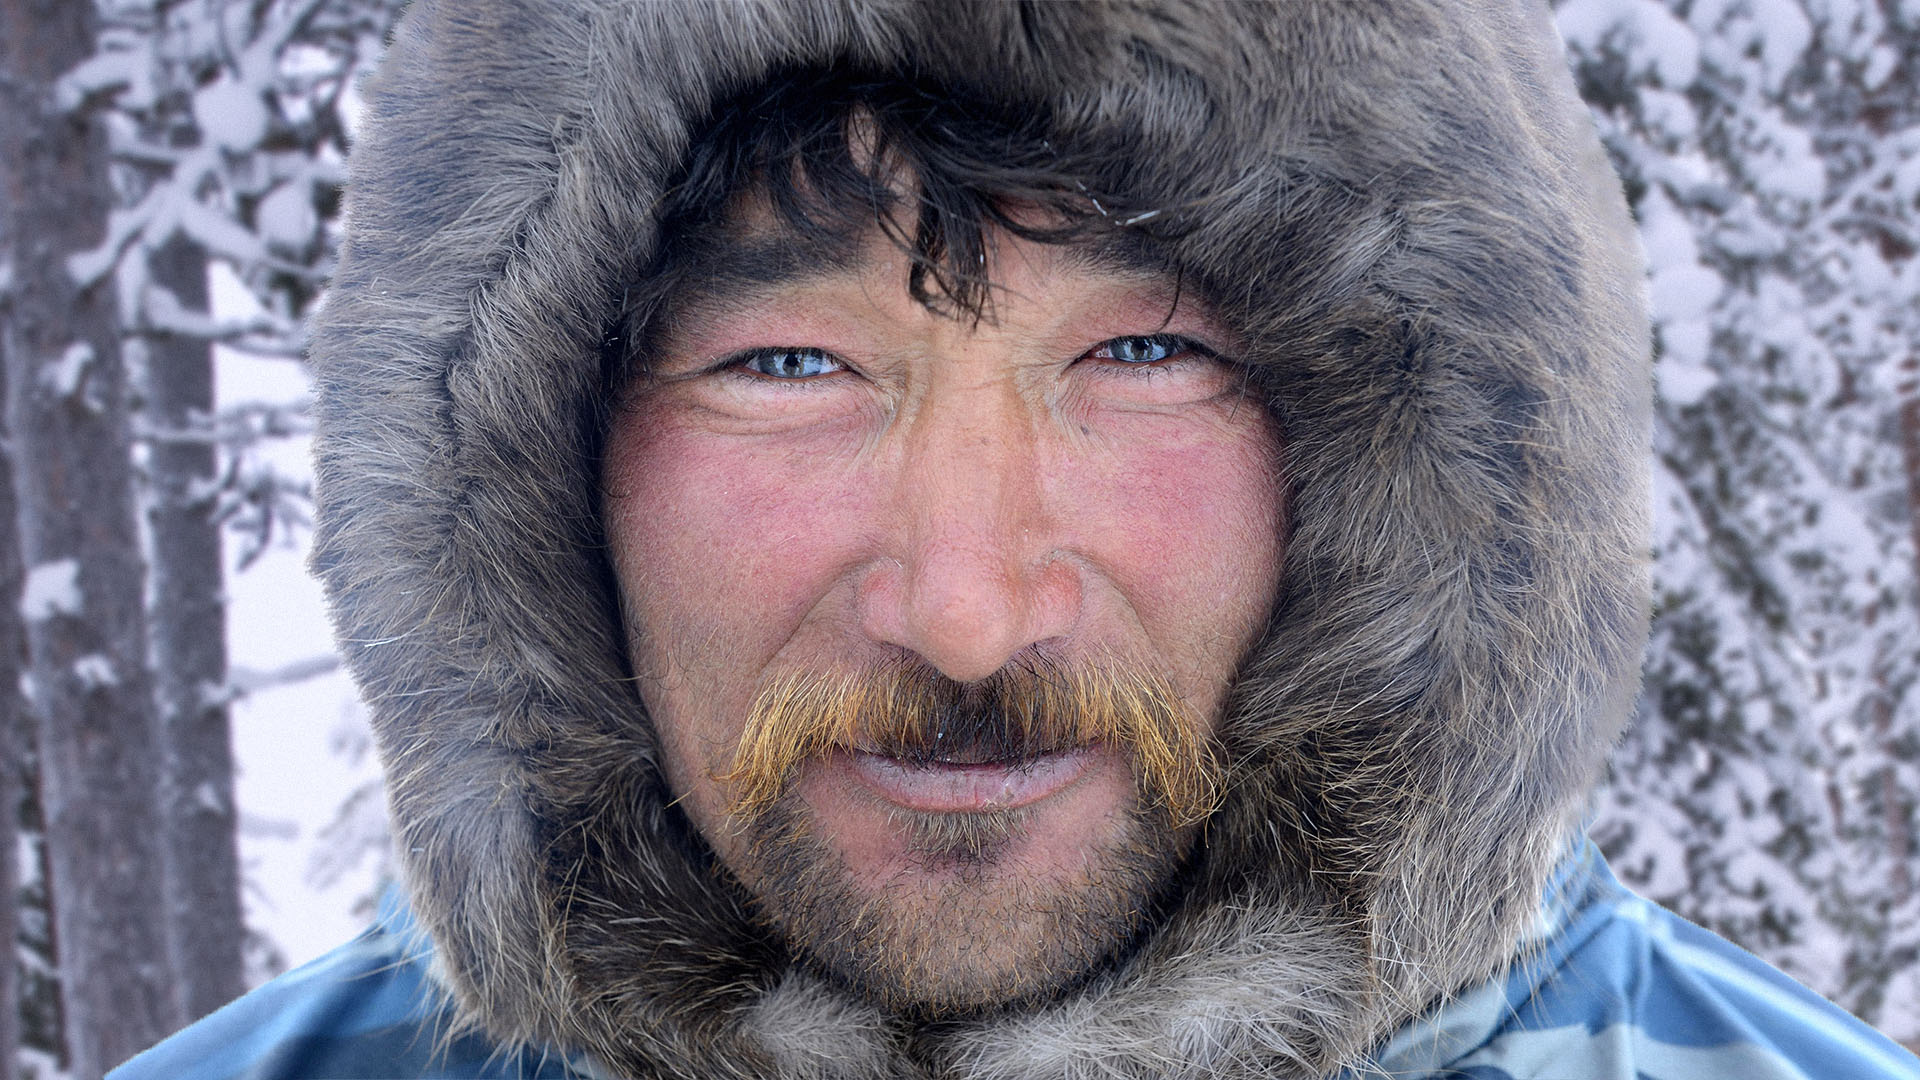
1610,987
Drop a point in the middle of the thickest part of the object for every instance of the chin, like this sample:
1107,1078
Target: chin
951,913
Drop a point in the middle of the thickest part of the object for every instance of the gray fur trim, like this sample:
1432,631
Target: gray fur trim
810,1030
1411,221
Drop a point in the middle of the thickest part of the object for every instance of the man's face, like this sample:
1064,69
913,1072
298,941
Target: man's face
823,484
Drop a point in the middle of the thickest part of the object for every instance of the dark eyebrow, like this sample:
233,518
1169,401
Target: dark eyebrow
1120,252
721,272
764,262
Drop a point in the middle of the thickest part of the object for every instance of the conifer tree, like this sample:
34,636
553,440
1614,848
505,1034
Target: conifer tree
227,148
84,593
1771,150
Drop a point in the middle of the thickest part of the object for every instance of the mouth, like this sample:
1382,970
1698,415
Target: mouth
967,786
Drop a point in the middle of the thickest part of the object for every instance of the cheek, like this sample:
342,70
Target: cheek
723,549
1185,514
729,536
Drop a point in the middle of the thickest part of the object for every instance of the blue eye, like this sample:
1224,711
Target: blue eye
1145,349
791,363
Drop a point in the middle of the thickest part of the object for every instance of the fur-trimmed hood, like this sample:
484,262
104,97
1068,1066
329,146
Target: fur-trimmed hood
1406,212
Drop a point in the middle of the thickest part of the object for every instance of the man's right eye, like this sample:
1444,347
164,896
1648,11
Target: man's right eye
790,363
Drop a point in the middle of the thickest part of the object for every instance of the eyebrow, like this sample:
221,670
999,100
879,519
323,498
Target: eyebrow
722,272
733,266
1121,252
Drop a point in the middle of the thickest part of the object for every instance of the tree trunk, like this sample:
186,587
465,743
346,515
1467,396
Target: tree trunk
190,654
83,598
12,719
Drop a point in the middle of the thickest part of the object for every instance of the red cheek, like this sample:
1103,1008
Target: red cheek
1186,510
725,525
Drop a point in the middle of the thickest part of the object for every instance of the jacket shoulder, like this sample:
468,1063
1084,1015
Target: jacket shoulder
367,1009
1643,994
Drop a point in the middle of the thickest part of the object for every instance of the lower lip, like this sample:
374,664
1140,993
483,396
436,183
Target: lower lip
969,788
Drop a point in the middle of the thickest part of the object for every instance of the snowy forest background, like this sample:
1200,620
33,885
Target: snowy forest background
170,182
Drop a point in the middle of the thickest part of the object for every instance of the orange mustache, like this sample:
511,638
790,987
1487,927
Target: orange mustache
916,714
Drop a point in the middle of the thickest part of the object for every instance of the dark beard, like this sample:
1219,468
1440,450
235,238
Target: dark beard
924,957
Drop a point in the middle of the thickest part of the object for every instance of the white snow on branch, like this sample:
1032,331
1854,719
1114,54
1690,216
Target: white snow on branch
237,426
1682,381
218,233
99,73
1781,32
65,375
52,588
95,672
165,312
1650,37
287,219
1880,64
232,114
244,681
207,798
169,208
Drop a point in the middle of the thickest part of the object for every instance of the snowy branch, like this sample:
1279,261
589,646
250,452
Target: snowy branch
244,681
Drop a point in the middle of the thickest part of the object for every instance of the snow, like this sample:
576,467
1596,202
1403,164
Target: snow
214,230
286,219
1685,382
231,114
290,778
1880,64
1670,112
100,72
123,225
1684,292
51,588
1788,166
1750,795
1665,232
208,798
351,105
1652,38
95,672
64,375
1783,32
1683,297
164,311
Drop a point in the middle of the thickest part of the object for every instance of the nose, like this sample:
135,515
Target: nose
975,573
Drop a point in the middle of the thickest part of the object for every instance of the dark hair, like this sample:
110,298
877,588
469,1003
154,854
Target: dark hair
836,153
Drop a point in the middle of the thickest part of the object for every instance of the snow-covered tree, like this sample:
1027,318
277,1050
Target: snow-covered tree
225,130
1771,149
83,598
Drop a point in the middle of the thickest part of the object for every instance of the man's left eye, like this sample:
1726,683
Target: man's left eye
790,363
1146,349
